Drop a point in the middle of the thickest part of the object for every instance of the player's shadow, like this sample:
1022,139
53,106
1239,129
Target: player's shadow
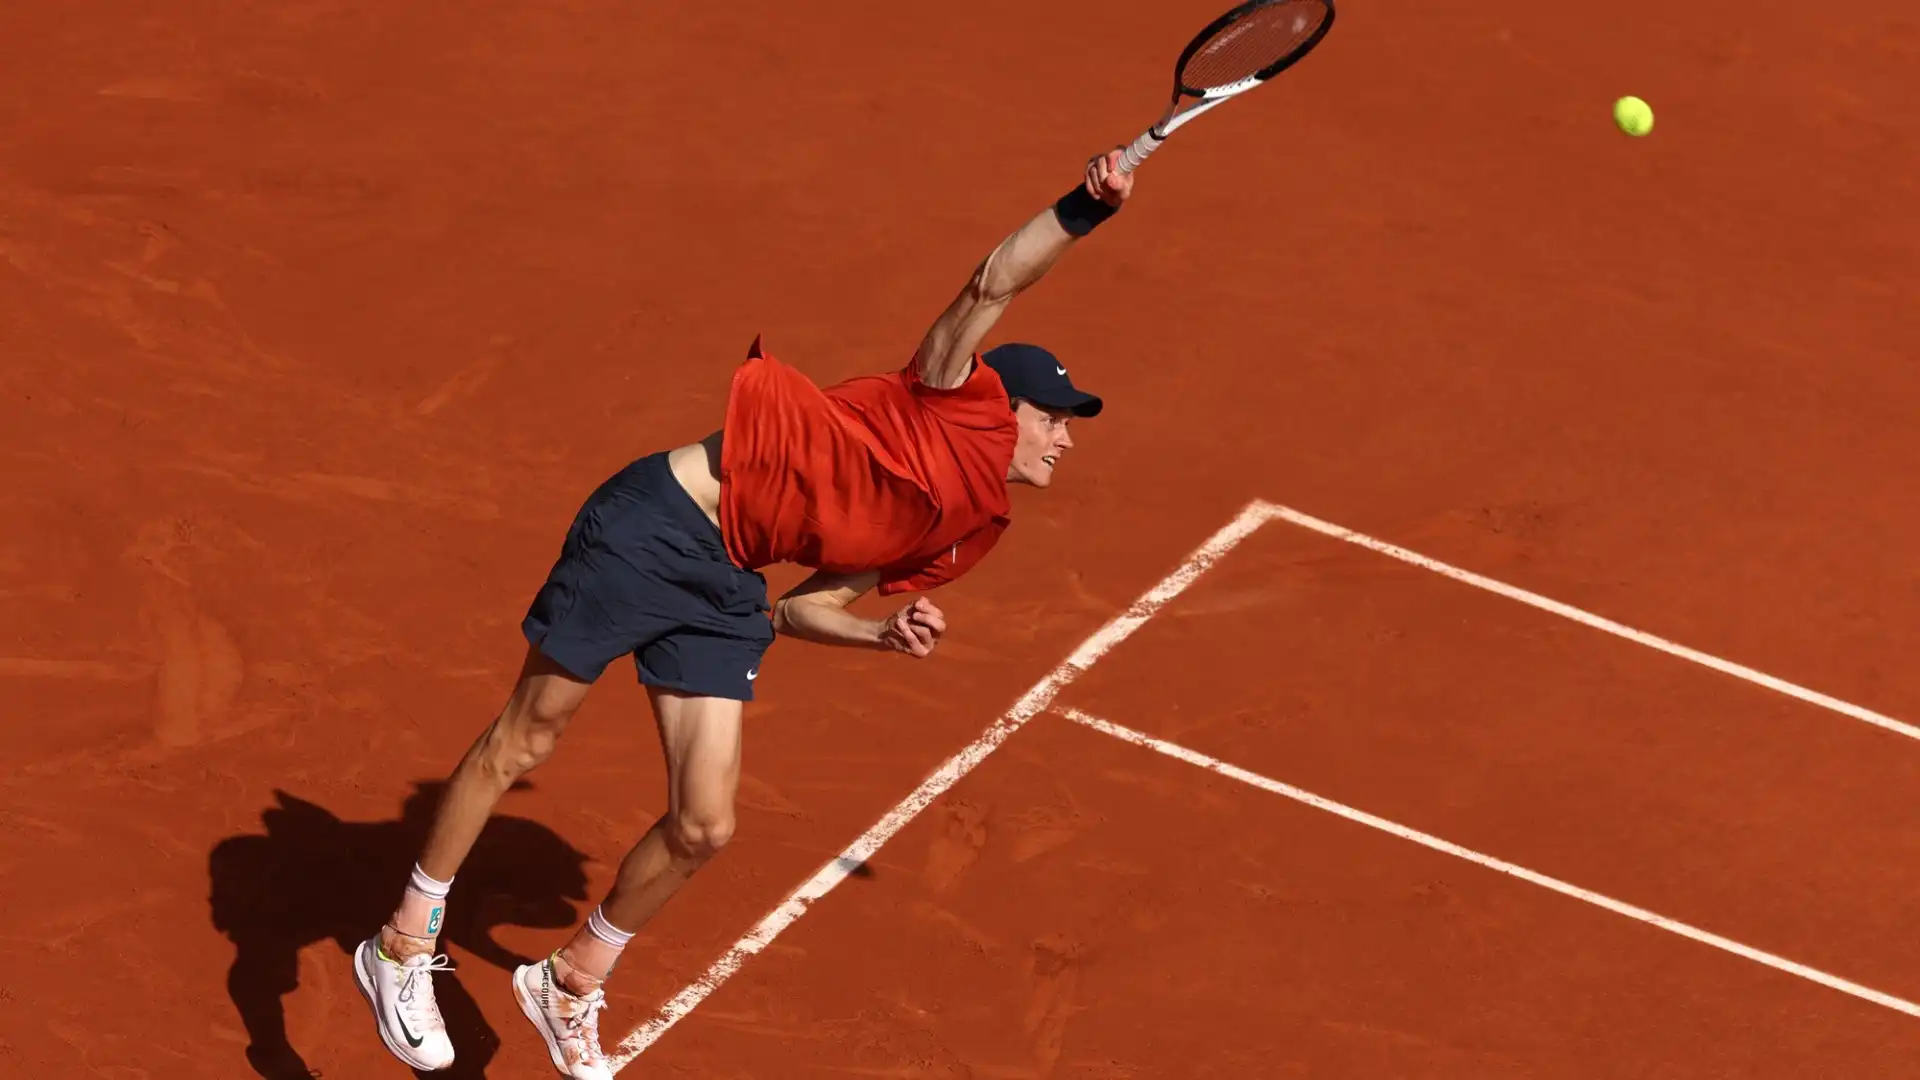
311,877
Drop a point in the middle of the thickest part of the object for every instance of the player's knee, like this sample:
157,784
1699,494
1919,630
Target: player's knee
534,745
518,745
700,834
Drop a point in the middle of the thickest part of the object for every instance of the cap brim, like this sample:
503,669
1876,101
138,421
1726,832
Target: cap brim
1077,402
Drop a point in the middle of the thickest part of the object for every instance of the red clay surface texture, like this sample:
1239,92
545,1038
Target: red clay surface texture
319,319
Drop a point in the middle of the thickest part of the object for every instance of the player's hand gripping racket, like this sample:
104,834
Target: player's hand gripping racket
1235,53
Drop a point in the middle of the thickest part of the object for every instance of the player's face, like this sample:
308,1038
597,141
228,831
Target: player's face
1043,440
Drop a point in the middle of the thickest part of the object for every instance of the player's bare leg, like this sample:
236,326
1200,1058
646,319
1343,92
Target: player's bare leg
395,970
524,735
562,995
701,737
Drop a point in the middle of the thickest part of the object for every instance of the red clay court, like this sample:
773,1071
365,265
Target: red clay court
1584,753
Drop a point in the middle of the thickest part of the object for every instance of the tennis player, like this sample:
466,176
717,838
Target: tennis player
896,482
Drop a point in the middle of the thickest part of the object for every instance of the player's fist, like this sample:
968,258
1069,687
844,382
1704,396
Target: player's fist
914,629
1105,181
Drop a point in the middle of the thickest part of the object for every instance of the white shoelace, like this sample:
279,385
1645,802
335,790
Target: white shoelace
416,992
584,1025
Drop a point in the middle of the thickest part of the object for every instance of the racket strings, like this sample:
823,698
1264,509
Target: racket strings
1252,43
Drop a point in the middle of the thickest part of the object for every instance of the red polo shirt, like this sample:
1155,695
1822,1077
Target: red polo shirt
881,472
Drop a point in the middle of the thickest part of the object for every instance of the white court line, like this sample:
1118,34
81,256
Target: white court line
1725,667
1194,757
1033,702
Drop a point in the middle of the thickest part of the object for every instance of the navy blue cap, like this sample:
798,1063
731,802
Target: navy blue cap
1031,372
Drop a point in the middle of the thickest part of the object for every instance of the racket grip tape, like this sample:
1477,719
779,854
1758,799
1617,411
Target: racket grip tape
1136,154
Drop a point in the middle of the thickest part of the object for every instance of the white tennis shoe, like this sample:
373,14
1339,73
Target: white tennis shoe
401,994
570,1025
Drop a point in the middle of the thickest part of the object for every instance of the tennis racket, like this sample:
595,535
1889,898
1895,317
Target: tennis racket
1235,53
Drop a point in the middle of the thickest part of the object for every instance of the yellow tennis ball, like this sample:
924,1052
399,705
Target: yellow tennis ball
1634,116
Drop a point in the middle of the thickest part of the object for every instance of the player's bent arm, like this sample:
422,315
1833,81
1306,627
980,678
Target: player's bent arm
1020,260
816,610
946,352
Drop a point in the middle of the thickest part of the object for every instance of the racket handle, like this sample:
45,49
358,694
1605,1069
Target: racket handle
1136,154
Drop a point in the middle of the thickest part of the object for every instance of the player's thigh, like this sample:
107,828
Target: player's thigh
702,739
700,682
545,696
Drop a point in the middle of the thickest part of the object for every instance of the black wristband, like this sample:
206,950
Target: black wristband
1078,212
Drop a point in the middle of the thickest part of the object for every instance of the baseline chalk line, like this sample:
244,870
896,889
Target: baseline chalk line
1031,704
1215,765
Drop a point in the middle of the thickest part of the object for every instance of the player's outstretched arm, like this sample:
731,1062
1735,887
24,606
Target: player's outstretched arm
816,610
946,353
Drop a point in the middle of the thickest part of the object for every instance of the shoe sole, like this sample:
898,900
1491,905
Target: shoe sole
362,956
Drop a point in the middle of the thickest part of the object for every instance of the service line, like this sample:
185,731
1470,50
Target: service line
1448,847
1586,618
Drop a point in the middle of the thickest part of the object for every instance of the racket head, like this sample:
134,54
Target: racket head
1249,45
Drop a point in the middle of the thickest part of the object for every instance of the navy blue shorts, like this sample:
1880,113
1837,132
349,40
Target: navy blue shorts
644,571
